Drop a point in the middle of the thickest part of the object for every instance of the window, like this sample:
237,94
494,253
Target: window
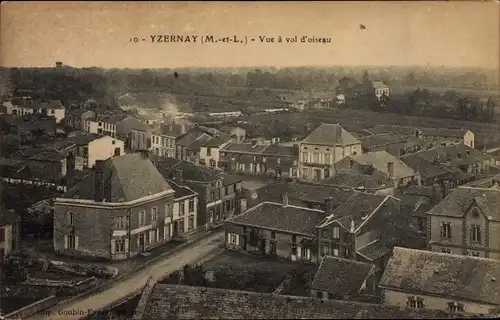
294,249
294,238
336,233
421,224
304,156
455,307
475,233
120,222
71,242
181,226
304,173
279,160
181,208
2,235
142,217
119,245
319,294
445,250
415,302
316,157
154,214
191,205
475,254
168,210
209,151
327,159
71,218
305,253
113,142
273,235
445,230
227,206
233,238
346,251
325,250
191,223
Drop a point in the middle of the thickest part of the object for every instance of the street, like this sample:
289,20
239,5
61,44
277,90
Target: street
189,255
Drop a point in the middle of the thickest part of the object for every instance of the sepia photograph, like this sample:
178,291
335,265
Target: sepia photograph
249,160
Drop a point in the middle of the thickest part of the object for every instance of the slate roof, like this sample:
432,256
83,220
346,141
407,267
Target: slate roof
382,139
426,191
127,177
229,179
444,132
484,183
426,168
186,302
85,138
199,142
458,201
52,104
330,134
181,191
216,142
380,159
373,250
190,171
47,156
452,276
453,152
114,119
261,150
379,85
341,277
374,181
275,216
380,128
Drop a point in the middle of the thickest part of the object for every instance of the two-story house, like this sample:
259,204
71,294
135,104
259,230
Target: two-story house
254,159
276,229
210,151
52,108
420,279
467,221
91,147
182,222
322,148
394,143
75,118
218,194
380,89
381,161
115,213
159,140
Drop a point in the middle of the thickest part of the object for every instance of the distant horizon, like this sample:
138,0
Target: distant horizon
362,33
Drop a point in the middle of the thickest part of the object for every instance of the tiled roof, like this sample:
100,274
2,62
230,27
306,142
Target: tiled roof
127,177
380,128
52,104
379,85
190,171
341,277
373,251
85,138
426,191
186,302
47,156
318,194
452,276
444,132
216,142
484,183
458,201
262,150
331,134
382,139
426,168
354,180
275,216
230,179
114,119
357,208
380,160
181,191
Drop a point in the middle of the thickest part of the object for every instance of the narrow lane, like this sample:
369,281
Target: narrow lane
189,255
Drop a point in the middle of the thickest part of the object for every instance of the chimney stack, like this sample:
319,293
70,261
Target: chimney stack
339,133
329,206
70,170
390,169
285,199
178,175
183,129
98,181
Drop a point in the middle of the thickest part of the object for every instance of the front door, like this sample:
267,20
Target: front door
176,229
142,242
317,174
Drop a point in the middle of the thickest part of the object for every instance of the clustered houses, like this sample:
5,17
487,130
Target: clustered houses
182,222
260,160
434,137
22,107
189,144
383,162
210,151
160,140
467,221
218,194
92,147
322,148
115,213
75,118
103,124
419,279
394,143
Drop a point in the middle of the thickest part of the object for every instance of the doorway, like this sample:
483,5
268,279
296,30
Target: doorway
142,242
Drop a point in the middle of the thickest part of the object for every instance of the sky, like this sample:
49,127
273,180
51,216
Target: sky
79,34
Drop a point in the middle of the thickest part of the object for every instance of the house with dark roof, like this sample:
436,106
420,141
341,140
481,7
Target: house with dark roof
163,301
75,118
182,220
91,147
276,229
357,229
322,148
189,144
376,182
394,143
422,279
158,139
383,162
115,213
219,195
380,89
430,172
210,151
342,279
467,221
254,159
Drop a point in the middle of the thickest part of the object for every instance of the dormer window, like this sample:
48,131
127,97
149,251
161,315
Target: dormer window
475,212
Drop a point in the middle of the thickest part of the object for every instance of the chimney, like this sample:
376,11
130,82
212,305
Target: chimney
183,129
243,205
437,194
352,225
390,169
70,170
339,133
329,205
178,175
98,181
284,198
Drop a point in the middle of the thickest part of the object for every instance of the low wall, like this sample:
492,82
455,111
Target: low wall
32,308
27,291
61,288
